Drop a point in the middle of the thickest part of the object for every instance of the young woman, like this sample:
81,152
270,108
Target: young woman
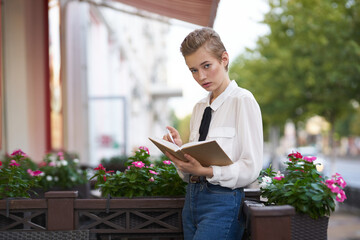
214,194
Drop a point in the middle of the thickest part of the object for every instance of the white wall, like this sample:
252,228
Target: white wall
24,76
75,17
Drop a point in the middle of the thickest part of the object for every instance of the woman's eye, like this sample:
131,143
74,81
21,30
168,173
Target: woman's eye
207,66
193,70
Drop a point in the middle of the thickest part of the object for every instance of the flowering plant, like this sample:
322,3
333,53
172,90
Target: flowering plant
16,179
141,178
61,170
302,187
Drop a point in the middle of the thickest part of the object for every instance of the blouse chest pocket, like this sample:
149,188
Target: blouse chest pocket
225,138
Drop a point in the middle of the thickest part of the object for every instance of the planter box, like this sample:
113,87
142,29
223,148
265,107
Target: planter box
267,222
62,212
281,222
137,217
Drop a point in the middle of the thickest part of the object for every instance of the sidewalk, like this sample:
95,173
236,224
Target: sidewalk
344,224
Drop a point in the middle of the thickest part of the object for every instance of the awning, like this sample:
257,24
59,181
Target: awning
200,12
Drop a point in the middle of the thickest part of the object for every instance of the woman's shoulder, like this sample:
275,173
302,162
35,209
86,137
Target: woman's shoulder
241,93
200,104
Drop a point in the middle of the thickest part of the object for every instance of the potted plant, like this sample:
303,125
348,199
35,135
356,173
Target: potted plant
312,195
61,171
141,178
147,197
16,178
116,163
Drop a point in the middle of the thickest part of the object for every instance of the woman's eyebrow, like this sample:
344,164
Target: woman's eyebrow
203,63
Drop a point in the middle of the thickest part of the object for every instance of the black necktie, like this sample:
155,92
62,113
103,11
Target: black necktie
205,123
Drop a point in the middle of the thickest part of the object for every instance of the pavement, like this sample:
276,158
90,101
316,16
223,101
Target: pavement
344,224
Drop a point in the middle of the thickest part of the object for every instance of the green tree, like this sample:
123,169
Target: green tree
184,128
308,64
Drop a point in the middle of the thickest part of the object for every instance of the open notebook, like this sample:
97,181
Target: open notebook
206,152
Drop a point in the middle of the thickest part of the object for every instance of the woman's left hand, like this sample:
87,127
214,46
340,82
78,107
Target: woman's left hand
192,166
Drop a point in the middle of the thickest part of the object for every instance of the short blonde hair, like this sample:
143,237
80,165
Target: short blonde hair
206,37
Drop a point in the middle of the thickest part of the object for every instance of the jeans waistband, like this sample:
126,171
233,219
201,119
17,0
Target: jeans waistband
197,179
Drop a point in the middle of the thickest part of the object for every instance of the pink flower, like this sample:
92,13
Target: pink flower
340,197
295,155
18,152
37,172
60,154
330,183
0,163
14,163
339,180
151,179
278,178
145,149
153,172
167,162
138,164
100,167
34,173
42,164
52,164
104,177
309,158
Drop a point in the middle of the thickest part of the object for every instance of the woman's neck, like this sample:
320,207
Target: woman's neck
215,94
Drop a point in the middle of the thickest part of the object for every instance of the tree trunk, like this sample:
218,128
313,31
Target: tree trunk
333,149
274,144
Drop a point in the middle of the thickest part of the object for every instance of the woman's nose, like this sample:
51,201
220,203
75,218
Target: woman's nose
202,75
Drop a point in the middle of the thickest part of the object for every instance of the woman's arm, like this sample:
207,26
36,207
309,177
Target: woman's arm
192,167
248,149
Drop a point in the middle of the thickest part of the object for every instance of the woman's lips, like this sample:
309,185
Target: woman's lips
206,85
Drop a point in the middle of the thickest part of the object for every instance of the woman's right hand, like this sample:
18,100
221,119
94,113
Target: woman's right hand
175,135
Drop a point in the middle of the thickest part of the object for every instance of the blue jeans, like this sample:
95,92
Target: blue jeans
212,212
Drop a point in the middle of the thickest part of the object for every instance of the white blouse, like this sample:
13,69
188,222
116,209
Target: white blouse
236,125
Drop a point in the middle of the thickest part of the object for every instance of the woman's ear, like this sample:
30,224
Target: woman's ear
225,58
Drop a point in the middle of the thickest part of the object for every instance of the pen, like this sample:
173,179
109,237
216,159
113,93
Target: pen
170,136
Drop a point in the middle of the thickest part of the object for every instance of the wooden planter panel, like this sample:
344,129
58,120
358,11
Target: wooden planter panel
130,217
23,204
26,214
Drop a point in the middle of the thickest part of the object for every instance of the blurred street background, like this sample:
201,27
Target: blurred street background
98,77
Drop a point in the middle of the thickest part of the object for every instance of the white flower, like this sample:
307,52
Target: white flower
72,179
49,178
76,160
56,178
52,158
265,182
64,162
